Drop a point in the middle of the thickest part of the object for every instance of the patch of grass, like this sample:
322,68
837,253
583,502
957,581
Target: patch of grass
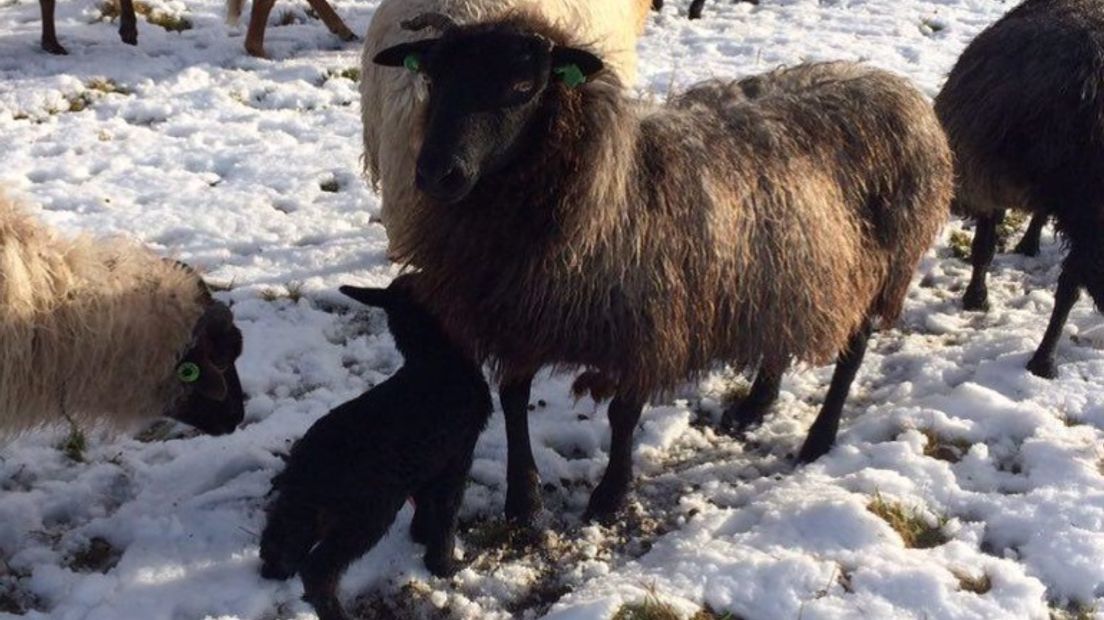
75,443
909,523
946,449
960,243
173,23
99,556
978,585
349,73
330,185
931,25
708,614
292,290
107,86
650,608
78,102
1073,611
1013,223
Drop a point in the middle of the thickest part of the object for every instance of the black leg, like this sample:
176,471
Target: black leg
981,256
749,412
696,8
128,23
823,432
348,540
609,496
1029,243
445,494
49,33
1069,285
425,515
522,480
657,5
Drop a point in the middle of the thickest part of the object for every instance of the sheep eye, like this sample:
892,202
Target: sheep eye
188,372
524,87
413,63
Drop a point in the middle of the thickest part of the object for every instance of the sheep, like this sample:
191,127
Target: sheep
412,435
104,331
128,26
1023,109
563,223
696,6
391,103
258,20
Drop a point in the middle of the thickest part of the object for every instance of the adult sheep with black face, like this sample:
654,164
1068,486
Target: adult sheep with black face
758,222
1024,112
393,103
102,331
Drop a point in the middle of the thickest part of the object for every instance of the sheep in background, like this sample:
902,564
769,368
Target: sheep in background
128,25
258,21
392,103
1023,109
755,223
105,331
411,436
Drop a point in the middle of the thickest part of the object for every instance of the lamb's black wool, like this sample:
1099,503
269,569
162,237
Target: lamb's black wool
411,436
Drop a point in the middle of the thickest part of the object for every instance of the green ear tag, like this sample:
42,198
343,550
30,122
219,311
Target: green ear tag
188,372
413,63
571,75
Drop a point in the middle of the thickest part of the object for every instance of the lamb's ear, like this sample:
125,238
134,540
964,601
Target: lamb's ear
585,63
400,55
369,296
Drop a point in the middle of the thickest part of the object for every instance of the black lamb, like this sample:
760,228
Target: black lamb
411,436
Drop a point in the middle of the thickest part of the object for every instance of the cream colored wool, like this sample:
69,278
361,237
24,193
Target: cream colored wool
89,328
393,102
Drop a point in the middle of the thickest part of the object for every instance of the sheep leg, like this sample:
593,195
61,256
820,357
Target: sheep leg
823,432
1069,285
258,19
1029,243
49,33
128,23
347,541
696,9
749,412
657,5
609,496
332,20
982,250
523,500
444,494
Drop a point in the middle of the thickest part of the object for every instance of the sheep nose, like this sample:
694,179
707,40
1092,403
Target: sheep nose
445,181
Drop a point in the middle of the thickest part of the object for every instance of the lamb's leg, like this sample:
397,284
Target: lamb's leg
445,493
981,256
749,412
696,9
128,22
823,432
1069,285
425,515
49,32
609,496
258,19
331,19
349,539
523,500
1029,243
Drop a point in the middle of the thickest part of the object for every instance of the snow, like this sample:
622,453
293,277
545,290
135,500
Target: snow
230,163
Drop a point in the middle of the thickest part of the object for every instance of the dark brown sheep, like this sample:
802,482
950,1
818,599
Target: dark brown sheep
754,223
1024,113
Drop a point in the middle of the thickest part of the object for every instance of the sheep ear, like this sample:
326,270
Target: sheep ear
397,56
563,57
369,296
222,340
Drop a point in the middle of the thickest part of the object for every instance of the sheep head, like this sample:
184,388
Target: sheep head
487,86
211,397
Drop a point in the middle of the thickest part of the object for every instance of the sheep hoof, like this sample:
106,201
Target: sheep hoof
605,502
256,51
129,35
347,36
738,420
441,565
54,48
976,298
523,502
1043,367
814,448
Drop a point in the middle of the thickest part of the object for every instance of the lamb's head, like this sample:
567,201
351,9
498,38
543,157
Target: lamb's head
487,83
210,395
418,334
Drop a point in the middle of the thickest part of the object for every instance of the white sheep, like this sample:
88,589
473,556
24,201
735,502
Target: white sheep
392,102
103,331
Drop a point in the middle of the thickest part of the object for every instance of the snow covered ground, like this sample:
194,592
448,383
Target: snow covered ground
249,168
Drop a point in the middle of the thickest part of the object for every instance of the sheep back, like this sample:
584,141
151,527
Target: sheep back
1023,109
766,217
89,328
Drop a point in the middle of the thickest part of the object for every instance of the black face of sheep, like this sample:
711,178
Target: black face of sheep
485,89
212,397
